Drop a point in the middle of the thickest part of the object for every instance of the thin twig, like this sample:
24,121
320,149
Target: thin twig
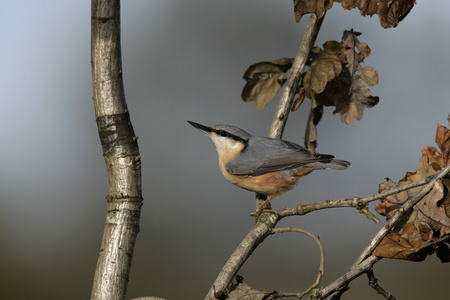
350,275
290,88
368,214
322,260
356,202
373,282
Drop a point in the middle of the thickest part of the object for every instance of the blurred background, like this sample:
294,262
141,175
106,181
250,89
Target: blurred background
184,60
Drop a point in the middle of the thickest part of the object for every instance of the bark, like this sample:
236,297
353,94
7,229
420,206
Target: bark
120,151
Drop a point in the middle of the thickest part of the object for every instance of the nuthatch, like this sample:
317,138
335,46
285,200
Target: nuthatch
264,165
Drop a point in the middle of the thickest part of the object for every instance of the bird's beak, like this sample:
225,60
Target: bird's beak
206,130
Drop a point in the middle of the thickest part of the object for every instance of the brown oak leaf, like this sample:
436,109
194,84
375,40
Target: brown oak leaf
241,290
317,7
424,169
430,211
264,80
337,78
443,252
412,243
390,12
428,222
443,142
435,158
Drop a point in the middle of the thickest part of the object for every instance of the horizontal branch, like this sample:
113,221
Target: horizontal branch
359,203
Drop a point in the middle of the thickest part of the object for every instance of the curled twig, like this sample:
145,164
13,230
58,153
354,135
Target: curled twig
322,260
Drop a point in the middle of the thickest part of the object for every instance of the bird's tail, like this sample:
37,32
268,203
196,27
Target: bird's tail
332,164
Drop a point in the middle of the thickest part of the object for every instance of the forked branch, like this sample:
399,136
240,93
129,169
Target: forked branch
266,222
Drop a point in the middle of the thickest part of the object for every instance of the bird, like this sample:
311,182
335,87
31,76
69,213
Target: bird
264,165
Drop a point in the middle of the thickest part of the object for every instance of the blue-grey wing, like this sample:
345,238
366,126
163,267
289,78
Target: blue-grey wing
263,155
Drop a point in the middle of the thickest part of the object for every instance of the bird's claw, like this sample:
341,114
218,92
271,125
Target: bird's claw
260,210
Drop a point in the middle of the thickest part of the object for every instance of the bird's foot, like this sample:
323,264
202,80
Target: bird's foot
263,208
260,210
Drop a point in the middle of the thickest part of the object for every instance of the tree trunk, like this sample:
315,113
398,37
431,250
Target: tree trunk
120,151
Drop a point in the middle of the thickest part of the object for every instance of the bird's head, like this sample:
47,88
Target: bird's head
228,140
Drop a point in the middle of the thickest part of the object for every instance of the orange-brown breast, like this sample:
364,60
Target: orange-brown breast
270,184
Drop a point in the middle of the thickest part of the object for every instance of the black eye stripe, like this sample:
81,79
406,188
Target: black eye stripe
221,132
225,133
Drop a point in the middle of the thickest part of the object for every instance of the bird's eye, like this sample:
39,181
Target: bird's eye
223,133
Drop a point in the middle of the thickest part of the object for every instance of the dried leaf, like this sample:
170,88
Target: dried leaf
431,212
317,7
264,79
336,77
435,159
242,290
301,96
386,208
443,252
427,223
325,66
369,75
359,97
446,202
311,131
443,142
412,243
390,12
320,74
391,203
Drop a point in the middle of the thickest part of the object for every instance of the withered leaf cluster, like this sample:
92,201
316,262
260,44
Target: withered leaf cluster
390,12
337,78
264,80
426,229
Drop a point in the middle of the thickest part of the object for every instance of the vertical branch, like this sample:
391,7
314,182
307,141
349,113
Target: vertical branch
290,88
120,151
